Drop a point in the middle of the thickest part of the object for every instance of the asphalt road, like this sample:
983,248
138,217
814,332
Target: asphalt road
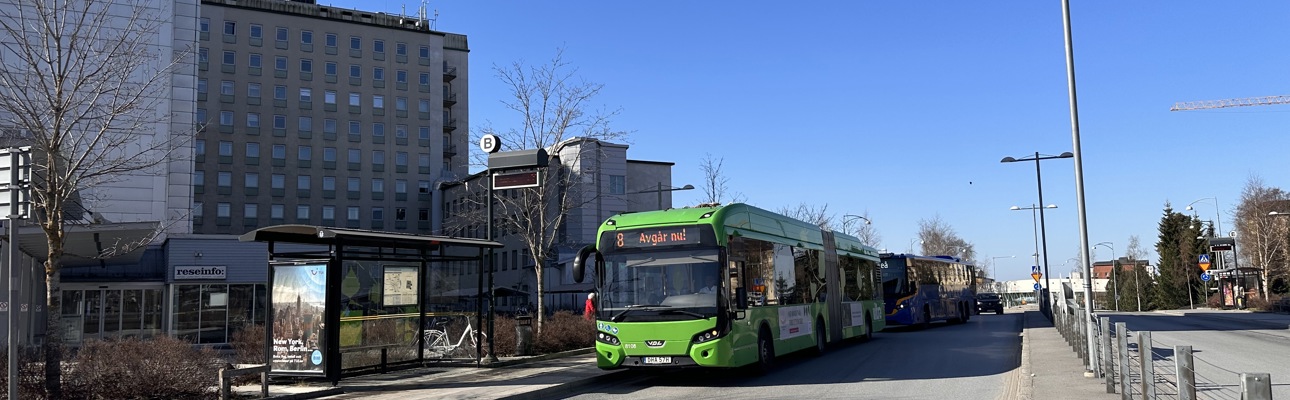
1221,347
965,361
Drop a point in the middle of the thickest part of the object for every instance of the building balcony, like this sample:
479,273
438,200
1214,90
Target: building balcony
449,73
449,99
450,125
449,150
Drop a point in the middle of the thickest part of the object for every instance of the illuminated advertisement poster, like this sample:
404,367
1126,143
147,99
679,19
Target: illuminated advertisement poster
793,322
400,285
299,296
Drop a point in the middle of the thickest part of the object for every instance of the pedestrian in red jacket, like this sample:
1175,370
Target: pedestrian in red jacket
589,311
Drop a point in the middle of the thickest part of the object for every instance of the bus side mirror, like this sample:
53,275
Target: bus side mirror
585,254
741,298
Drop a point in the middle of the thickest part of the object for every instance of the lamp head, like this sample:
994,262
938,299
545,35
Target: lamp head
1051,206
1066,155
1188,208
1014,208
687,187
1008,160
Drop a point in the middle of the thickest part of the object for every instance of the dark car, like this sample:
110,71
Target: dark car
988,301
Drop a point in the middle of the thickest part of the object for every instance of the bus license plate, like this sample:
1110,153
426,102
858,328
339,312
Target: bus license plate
658,360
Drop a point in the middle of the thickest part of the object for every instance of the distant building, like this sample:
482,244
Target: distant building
609,182
1103,269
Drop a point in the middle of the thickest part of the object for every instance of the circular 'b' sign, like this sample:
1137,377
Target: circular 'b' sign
490,143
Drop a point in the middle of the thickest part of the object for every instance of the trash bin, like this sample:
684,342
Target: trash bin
523,336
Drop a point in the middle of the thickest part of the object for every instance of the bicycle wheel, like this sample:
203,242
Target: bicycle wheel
436,344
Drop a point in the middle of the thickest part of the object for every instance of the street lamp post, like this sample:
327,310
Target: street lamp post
911,244
849,217
1039,183
1039,228
1218,218
1114,274
994,274
660,189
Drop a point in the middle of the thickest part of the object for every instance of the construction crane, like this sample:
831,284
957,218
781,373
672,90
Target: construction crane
1226,103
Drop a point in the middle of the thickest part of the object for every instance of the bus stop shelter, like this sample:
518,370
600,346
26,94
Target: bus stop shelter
342,301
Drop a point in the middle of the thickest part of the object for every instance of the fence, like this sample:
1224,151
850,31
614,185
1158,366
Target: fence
1136,367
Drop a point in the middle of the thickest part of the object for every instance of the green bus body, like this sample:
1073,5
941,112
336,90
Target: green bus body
785,283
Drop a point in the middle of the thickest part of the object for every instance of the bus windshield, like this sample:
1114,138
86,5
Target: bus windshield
895,281
670,285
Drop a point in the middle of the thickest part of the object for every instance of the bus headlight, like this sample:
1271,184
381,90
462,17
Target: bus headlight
706,336
606,338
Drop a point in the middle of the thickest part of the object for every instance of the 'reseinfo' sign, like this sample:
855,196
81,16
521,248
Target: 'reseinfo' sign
200,272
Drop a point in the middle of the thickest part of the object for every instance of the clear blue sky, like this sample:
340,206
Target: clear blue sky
904,109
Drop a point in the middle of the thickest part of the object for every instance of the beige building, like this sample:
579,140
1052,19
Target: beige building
324,116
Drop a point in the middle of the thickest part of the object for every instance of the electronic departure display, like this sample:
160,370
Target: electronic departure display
642,238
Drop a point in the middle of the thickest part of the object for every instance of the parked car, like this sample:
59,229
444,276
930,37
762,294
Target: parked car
987,302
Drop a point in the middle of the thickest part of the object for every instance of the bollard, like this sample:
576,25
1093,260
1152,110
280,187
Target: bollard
523,336
1122,347
1186,373
1147,357
1107,374
1256,386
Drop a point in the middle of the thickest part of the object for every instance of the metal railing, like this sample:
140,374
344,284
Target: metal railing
1137,367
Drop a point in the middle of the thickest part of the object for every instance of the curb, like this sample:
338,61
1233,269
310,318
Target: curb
332,391
1026,385
559,391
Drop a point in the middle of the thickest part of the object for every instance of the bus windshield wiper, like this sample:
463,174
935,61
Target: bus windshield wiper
619,316
690,313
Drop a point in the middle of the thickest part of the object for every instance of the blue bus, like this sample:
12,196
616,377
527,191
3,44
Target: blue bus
919,290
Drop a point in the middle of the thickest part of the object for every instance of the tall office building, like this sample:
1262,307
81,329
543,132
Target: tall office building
324,116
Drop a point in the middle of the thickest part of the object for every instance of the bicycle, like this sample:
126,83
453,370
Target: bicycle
436,341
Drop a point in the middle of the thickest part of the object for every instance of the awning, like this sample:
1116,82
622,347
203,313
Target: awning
358,237
90,245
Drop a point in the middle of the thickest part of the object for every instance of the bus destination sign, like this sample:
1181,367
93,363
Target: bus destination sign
669,236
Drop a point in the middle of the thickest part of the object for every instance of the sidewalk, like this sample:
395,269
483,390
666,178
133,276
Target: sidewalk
1050,368
512,378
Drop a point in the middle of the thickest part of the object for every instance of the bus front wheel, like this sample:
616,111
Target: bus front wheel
765,352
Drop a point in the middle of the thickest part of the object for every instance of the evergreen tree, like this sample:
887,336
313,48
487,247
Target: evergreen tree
1179,282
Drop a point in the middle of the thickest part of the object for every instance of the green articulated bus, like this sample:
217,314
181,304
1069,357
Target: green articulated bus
725,286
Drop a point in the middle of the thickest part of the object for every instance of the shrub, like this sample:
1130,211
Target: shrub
1258,303
156,368
565,331
248,345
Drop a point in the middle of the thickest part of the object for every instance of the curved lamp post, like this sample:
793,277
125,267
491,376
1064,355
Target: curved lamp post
660,189
1114,273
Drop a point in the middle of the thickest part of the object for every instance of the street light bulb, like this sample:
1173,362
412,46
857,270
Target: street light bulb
1014,208
1188,208
1051,206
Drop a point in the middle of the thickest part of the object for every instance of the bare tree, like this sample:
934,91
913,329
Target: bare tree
939,237
80,83
818,215
714,181
553,106
1263,236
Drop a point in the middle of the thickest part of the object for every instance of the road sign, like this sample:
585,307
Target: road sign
1204,262
1034,269
1036,275
1205,277
1037,286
